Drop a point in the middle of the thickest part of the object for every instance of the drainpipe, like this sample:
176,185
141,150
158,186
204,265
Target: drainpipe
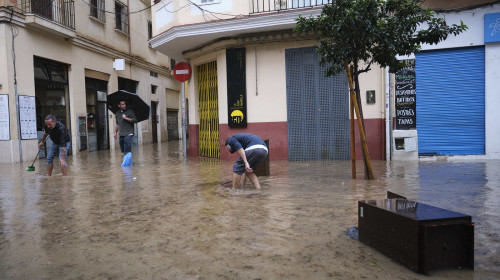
16,95
388,130
256,77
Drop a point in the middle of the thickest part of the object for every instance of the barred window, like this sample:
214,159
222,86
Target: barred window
121,19
97,8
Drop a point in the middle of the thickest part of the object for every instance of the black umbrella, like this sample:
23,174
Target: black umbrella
133,101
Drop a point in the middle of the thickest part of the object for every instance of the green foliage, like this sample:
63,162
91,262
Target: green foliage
374,31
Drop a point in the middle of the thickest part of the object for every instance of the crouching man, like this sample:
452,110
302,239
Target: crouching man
252,151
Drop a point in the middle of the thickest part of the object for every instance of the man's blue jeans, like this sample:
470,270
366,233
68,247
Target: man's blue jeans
56,150
126,143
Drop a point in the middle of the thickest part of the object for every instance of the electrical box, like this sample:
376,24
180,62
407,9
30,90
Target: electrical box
404,145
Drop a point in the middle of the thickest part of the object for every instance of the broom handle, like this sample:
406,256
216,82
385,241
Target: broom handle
36,157
39,150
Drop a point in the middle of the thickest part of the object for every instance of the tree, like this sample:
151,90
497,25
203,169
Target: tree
355,34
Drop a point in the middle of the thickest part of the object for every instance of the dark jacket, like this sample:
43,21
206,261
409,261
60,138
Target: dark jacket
243,140
59,134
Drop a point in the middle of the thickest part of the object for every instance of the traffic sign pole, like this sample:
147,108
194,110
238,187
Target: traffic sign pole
182,73
184,145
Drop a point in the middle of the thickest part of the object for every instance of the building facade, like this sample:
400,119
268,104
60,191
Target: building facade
64,58
457,93
252,73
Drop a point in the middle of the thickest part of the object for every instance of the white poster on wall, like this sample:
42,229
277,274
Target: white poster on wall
27,116
4,117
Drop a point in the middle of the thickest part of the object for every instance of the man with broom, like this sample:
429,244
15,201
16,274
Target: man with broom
61,140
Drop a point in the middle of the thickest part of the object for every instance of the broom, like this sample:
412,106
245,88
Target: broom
32,168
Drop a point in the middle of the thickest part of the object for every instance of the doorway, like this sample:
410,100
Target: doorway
173,124
209,110
97,114
51,95
154,121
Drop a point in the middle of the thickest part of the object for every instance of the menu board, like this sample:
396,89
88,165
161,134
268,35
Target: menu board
406,113
4,117
27,116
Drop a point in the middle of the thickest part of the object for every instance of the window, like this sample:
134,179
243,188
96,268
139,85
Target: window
97,8
172,63
153,74
150,29
153,89
121,19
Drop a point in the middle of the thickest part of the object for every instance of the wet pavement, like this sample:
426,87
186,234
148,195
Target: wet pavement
169,217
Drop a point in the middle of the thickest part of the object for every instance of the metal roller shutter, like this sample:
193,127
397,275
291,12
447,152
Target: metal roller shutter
318,112
450,102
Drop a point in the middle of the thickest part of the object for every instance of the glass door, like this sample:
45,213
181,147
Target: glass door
102,121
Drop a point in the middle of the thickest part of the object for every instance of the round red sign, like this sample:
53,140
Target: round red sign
182,71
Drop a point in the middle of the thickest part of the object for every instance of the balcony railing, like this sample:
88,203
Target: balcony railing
263,6
58,11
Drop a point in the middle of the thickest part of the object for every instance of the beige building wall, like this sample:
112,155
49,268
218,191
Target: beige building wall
89,51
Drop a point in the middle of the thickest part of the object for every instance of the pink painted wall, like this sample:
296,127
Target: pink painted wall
375,139
277,133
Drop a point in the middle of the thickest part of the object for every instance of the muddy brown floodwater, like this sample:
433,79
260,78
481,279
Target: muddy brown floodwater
168,217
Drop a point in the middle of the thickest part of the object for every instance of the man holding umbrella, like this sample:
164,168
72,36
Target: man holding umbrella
129,109
125,119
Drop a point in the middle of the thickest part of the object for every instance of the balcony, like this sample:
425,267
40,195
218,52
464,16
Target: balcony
265,6
53,16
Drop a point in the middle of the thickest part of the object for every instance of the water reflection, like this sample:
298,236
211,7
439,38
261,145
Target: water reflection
169,217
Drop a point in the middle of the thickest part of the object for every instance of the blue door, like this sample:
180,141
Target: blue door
450,102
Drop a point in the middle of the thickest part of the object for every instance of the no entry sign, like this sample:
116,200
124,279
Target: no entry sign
182,71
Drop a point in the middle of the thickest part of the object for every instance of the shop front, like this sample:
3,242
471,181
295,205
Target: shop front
51,94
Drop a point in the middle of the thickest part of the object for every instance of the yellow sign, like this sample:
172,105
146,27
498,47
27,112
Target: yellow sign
237,116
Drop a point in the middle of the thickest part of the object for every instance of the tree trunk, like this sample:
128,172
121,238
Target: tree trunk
352,94
355,76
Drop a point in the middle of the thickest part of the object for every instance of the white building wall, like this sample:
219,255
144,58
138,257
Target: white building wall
266,82
492,76
183,12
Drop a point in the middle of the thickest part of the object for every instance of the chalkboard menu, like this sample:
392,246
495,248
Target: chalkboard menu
405,102
236,88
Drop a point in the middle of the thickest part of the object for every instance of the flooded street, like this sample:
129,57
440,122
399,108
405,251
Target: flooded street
168,217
